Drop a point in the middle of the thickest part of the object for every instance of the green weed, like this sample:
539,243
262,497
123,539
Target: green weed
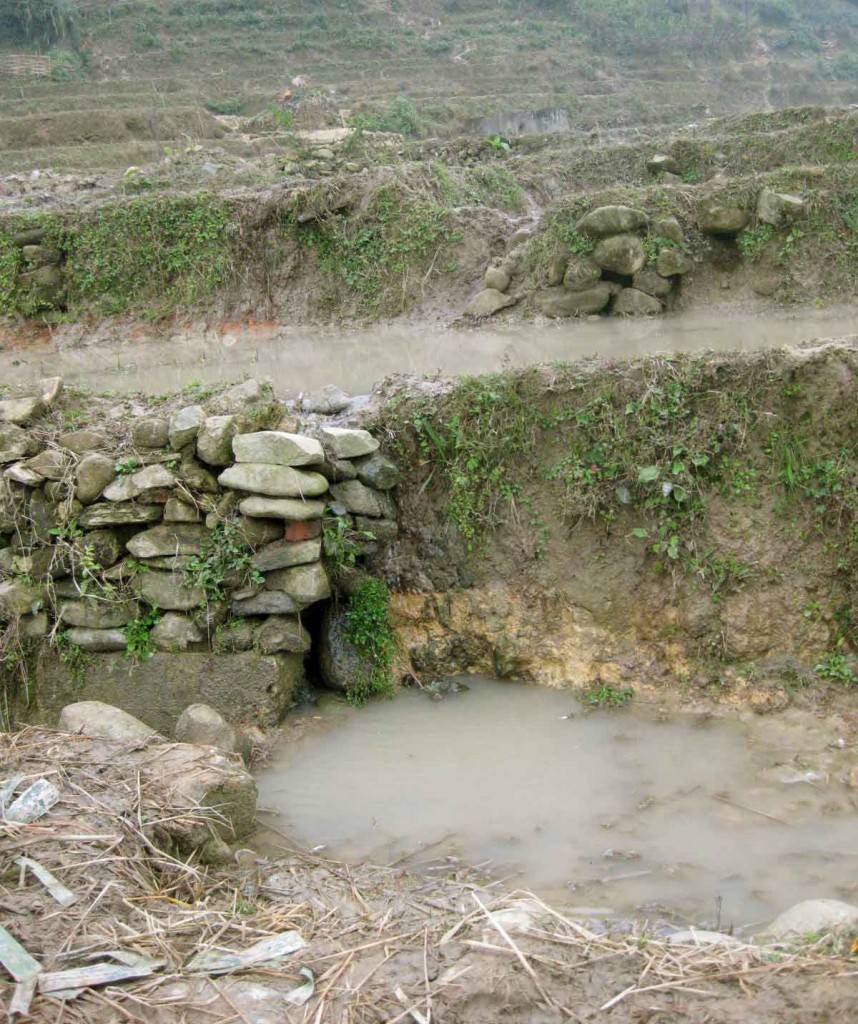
369,630
139,645
608,697
753,242
226,562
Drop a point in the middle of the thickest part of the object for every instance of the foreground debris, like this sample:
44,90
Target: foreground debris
135,932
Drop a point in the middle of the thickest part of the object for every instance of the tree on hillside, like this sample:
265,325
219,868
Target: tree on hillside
37,21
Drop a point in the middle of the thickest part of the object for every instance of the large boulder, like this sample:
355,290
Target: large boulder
326,401
276,481
487,303
93,474
18,598
362,500
341,664
582,272
92,613
278,448
150,432
282,633
670,228
46,287
93,718
631,302
612,220
21,411
496,279
377,471
204,727
559,302
778,208
82,441
672,263
722,216
622,254
184,426
652,283
214,441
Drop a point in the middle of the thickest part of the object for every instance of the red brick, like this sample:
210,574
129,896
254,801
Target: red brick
303,530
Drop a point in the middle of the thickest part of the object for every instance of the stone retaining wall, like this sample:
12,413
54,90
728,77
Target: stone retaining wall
168,558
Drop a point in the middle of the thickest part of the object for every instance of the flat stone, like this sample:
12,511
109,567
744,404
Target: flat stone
41,255
284,554
174,632
258,507
82,441
621,254
201,725
612,220
169,563
98,641
168,591
105,545
282,633
347,443
19,472
130,486
377,471
362,500
246,393
276,481
652,283
672,262
92,718
488,302
33,627
496,279
326,401
185,425
631,302
150,432
814,917
168,539
306,584
722,217
18,598
215,440
120,515
559,302
382,530
50,389
15,443
50,464
268,602
337,470
176,511
92,475
303,530
22,412
278,448
91,613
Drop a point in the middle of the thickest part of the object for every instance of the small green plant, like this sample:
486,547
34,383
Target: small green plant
790,247
368,629
342,543
127,466
654,245
75,660
139,645
754,241
226,561
608,697
837,668
498,144
284,119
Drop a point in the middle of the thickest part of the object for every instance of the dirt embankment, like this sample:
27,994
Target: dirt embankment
684,523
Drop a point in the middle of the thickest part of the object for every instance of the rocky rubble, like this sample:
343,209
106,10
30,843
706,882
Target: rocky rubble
207,539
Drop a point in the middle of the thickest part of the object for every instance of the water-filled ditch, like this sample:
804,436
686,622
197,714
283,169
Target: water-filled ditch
636,810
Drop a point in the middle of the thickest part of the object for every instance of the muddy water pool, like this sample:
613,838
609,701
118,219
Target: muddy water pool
632,810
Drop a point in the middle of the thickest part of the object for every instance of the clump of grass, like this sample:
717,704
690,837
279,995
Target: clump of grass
368,629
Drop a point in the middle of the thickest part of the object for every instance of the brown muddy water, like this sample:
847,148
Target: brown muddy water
127,361
632,810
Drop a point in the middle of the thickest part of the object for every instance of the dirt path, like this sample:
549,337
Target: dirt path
125,360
